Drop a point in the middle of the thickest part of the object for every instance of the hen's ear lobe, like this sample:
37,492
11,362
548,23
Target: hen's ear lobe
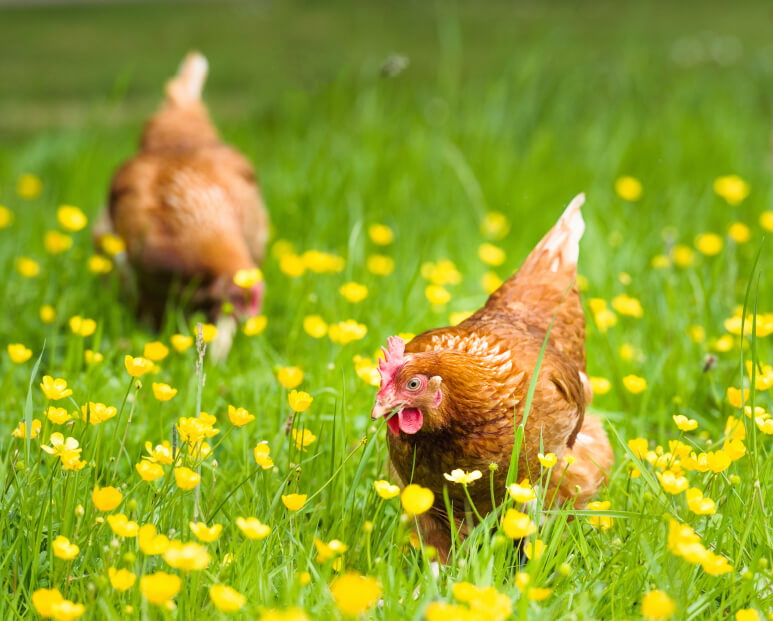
433,386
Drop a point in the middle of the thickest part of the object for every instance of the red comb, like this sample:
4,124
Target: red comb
393,359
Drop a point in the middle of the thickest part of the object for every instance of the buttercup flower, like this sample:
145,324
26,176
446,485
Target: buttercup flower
64,549
65,449
96,413
163,392
657,605
226,599
160,587
106,498
246,279
155,351
21,430
29,186
442,273
600,385
294,502
181,342
137,367
239,416
303,439
262,456
299,400
6,217
739,232
56,242
380,265
55,389
122,526
47,314
326,551
604,522
547,461
149,471
354,594
205,533
56,415
671,482
112,245
121,579
380,234
517,525
162,453
491,254
344,332
29,268
416,499
186,478
290,377
628,188
252,528
92,357
82,326
99,264
255,325
732,188
71,218
385,489
626,305
44,600
151,543
437,295
709,244
186,556
634,384
462,477
698,504
354,292
534,549
314,326
685,424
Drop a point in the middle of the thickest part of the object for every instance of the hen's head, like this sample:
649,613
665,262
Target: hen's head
408,390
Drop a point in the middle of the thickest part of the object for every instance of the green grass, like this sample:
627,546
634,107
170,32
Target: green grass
508,108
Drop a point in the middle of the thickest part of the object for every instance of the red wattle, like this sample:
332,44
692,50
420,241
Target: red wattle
410,420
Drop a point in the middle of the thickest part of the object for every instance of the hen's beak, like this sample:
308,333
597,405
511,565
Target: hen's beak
382,408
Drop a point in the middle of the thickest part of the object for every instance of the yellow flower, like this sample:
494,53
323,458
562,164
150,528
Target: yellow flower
344,332
56,242
252,528
18,353
380,265
262,457
697,334
121,579
724,343
354,594
122,526
323,262
246,279
255,325
294,502
96,413
292,265
354,292
181,342
491,254
628,188
732,188
56,415
385,489
290,377
149,471
160,587
534,549
112,244
44,600
604,522
443,272
194,430
61,447
303,439
604,319
638,447
416,499
29,186
456,318
739,232
208,332
186,478
766,220
380,234
657,605
315,327
82,326
462,477
522,492
226,599
150,542
291,614
490,282
671,482
6,217
47,314
626,305
299,400
737,397
685,424
709,244
155,351
137,367
92,357
715,564
55,389
99,264
29,268
162,453
205,533
163,392
186,556
437,295
517,525
494,225
747,614
683,255
71,218
635,384
698,504
547,461
326,551
64,549
600,385
239,416
106,498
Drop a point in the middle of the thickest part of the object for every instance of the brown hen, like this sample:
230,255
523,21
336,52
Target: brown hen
188,206
452,392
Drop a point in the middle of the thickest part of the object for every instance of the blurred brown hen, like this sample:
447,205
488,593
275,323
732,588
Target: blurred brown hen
188,206
451,392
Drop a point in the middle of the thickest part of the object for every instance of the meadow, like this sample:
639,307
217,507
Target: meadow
426,186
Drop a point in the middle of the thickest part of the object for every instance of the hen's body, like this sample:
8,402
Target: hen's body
485,366
187,205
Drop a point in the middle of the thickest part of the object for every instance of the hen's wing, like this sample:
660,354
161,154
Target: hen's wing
546,286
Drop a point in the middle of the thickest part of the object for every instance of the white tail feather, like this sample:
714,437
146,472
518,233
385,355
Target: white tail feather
188,84
562,243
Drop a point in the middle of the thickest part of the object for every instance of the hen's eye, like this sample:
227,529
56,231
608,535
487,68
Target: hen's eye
413,384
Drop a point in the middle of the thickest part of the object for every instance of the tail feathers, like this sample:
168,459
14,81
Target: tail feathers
187,85
560,248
